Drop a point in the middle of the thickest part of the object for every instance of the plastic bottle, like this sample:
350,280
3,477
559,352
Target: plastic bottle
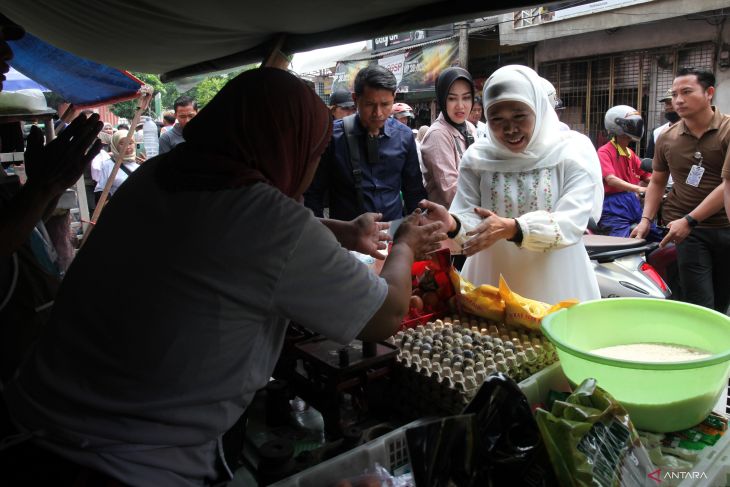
151,141
311,420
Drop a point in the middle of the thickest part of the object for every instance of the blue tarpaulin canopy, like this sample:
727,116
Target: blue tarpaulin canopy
15,81
79,81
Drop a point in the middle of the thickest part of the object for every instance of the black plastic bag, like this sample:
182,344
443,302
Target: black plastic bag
510,450
442,452
495,442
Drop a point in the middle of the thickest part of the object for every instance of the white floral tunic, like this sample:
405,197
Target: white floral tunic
552,206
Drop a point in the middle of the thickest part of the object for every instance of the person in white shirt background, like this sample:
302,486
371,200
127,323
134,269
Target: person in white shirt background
129,164
476,117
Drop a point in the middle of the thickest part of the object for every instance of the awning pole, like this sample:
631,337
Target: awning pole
144,101
276,58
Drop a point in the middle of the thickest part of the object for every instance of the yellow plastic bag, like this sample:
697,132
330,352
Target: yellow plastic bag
527,312
483,301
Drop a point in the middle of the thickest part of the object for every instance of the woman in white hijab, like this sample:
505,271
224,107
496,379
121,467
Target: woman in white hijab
129,164
525,194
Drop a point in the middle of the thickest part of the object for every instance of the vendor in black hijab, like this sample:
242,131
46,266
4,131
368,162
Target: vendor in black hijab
449,135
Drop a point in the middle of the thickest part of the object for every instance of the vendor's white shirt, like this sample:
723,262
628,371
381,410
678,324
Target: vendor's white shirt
106,171
552,206
172,316
96,164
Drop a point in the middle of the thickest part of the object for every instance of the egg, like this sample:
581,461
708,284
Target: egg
430,299
416,303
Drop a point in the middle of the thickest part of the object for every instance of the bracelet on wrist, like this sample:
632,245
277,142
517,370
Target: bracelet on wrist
646,218
456,230
518,236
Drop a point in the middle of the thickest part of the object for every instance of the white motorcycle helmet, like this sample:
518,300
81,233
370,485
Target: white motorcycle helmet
624,120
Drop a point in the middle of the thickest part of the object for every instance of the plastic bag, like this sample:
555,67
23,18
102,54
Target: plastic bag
483,301
510,449
379,477
431,289
442,451
592,442
495,442
526,312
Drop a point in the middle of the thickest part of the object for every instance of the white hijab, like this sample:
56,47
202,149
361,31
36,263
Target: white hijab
548,145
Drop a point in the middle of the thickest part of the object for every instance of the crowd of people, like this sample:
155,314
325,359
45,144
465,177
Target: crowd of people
208,250
625,201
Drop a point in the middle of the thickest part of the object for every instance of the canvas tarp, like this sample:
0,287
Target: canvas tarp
78,81
188,37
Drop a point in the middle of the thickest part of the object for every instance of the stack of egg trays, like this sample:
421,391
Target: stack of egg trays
441,365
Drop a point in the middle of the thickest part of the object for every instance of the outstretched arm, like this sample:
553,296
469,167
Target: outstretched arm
365,234
51,170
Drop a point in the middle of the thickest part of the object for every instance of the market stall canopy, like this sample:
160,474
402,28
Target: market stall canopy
15,81
311,61
78,81
190,37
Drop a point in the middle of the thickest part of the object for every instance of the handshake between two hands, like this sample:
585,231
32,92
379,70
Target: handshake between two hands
426,228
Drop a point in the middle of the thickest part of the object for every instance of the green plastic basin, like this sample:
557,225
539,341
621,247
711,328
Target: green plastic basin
660,397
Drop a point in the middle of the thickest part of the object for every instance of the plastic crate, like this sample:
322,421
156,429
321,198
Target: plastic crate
537,387
389,451
714,464
711,470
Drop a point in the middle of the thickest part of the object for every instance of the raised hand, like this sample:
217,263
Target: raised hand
433,212
421,238
58,165
492,228
146,92
370,234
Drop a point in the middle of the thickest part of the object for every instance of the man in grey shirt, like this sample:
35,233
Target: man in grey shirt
185,109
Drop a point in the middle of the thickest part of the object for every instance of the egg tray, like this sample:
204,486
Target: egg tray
441,365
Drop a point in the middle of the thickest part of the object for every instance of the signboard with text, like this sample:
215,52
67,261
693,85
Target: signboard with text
415,69
403,39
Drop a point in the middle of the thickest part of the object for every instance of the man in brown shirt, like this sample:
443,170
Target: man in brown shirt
726,175
693,151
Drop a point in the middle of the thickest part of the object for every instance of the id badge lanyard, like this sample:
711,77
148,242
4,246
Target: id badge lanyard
695,173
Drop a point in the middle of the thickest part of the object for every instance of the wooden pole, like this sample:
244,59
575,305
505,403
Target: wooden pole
276,58
144,101
68,113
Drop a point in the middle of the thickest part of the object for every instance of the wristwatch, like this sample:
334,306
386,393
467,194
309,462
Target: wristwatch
692,222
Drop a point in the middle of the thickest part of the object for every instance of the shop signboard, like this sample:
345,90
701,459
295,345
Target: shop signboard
424,64
394,64
415,69
589,9
345,72
403,39
384,42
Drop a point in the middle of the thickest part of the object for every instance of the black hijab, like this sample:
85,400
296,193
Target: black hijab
446,78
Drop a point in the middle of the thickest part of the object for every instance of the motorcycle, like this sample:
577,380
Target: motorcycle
621,267
664,260
629,267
